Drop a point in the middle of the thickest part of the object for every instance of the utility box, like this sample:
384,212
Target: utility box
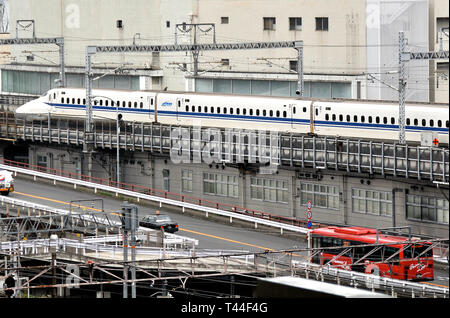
429,139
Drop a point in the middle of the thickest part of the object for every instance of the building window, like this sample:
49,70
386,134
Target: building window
372,202
295,24
269,23
41,161
186,180
426,208
322,196
293,65
219,184
224,20
269,190
321,24
167,24
166,180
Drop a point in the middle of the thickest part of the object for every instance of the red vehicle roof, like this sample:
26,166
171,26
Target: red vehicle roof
359,234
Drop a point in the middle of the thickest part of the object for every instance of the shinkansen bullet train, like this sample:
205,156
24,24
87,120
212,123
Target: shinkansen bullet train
344,118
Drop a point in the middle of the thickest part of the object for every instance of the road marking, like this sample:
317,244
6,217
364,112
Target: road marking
62,202
226,239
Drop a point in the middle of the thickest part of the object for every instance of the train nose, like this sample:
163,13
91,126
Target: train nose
33,110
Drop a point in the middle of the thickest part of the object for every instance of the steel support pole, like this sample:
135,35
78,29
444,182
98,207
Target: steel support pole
62,75
299,48
403,58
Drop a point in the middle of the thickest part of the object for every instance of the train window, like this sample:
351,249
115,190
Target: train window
355,119
224,110
408,121
95,102
304,109
54,95
84,101
106,102
416,122
257,112
363,119
123,103
211,109
341,118
348,118
193,108
62,100
446,123
392,120
424,122
284,114
101,102
271,113
251,112
135,104
231,110
151,101
377,119
317,111
278,113
141,105
199,109
244,111
431,123
218,110
179,103
68,100
370,119
129,104
238,110
439,123
187,108
327,117
73,100
333,117
205,109
385,120
78,101
293,110
264,112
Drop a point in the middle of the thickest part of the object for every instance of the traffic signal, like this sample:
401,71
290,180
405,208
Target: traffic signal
129,216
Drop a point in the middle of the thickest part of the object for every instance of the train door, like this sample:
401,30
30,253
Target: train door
178,105
315,115
152,107
293,110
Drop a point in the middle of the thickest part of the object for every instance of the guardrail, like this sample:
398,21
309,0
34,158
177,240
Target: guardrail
170,240
160,196
93,245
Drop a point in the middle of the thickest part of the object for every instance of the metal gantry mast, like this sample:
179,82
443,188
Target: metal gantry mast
59,41
91,50
405,57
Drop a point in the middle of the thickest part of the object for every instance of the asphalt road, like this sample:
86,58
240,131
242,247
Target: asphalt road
210,234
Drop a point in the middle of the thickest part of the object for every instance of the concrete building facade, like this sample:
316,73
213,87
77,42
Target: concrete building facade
343,41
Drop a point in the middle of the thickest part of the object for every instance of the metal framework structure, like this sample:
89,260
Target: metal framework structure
59,41
181,268
403,58
283,150
91,50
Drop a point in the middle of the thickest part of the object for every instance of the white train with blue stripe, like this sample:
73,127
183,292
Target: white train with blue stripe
376,120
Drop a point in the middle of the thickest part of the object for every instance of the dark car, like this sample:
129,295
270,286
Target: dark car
158,221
